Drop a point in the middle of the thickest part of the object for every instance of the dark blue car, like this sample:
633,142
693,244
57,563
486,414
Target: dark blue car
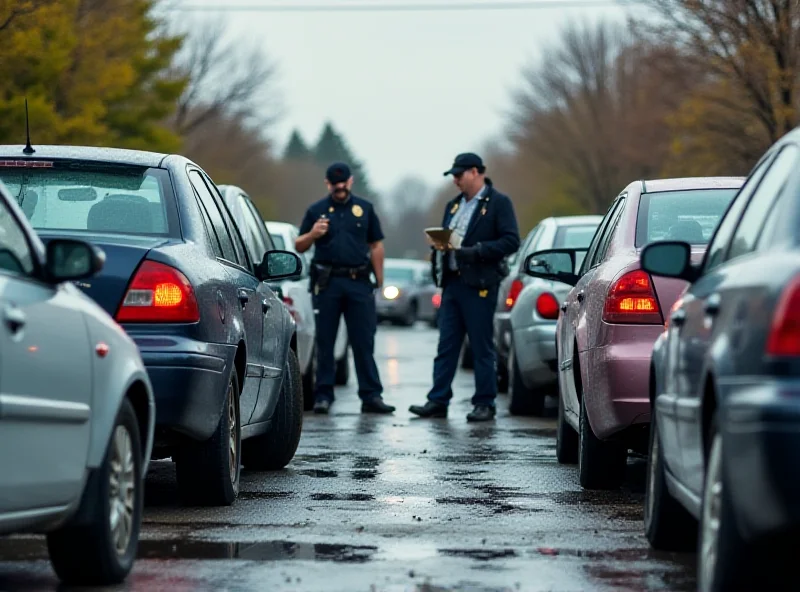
219,346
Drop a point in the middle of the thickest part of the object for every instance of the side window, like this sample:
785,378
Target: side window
15,252
602,248
524,249
212,211
256,246
765,196
261,226
234,232
598,236
722,236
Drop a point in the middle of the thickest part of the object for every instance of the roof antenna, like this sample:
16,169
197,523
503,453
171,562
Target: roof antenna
28,148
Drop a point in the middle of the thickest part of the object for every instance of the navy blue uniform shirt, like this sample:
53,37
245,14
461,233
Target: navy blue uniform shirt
352,228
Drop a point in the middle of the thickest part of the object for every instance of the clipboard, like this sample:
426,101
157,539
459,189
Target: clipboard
439,234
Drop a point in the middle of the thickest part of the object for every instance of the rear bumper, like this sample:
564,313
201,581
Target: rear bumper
761,439
189,381
617,379
535,350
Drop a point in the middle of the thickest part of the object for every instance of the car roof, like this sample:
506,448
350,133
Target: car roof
682,183
576,220
85,153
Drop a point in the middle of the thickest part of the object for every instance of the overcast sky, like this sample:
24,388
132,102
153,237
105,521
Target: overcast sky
408,90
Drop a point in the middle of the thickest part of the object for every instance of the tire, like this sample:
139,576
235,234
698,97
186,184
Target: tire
310,382
208,472
733,568
567,441
667,524
601,465
467,361
502,377
410,317
275,449
342,376
86,553
524,401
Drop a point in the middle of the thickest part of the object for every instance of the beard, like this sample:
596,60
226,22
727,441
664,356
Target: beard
341,194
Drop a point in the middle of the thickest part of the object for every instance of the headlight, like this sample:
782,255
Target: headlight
391,292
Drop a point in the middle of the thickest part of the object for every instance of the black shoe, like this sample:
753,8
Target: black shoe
376,405
481,413
429,409
322,406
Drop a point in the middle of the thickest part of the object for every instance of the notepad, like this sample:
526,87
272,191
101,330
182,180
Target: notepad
439,234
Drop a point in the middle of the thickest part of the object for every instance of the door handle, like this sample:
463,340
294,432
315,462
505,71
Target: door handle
265,305
678,317
244,297
580,296
564,307
14,318
711,305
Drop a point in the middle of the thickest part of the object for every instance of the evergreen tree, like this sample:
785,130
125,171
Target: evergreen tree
297,149
332,147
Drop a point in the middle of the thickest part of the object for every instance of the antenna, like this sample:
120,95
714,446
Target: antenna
28,148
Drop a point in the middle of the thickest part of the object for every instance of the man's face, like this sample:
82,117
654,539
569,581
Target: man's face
340,191
468,181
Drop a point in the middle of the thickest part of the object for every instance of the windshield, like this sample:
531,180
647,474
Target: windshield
398,275
574,237
690,215
128,200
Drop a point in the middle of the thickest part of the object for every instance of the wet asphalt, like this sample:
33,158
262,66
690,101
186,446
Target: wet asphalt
396,503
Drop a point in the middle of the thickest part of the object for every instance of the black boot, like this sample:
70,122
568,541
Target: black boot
322,406
376,405
481,413
429,409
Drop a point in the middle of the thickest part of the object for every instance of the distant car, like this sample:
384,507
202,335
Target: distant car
77,412
725,388
527,312
189,285
407,294
297,296
614,313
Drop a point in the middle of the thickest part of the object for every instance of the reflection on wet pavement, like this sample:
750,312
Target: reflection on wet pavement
396,504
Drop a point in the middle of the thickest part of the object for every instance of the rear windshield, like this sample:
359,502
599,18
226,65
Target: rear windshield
129,200
278,241
690,216
574,237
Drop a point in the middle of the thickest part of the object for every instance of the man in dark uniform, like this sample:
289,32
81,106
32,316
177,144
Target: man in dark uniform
349,247
469,270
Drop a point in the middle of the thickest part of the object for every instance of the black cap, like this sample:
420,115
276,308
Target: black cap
338,172
464,162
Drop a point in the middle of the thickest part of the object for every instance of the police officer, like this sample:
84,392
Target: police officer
349,248
469,269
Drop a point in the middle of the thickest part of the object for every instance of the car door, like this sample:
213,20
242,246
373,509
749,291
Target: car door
712,302
45,381
244,287
573,324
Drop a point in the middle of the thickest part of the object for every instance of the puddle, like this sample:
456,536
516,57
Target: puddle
265,495
495,505
538,432
479,554
319,473
33,549
363,475
348,497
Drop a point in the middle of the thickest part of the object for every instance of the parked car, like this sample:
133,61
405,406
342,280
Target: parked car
526,315
724,388
77,412
297,296
407,294
613,314
189,286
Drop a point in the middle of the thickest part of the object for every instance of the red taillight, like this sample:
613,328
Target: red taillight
547,306
784,335
290,306
513,293
436,300
159,293
631,299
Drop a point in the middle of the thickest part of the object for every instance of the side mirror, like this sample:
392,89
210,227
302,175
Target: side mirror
69,260
557,265
669,259
280,265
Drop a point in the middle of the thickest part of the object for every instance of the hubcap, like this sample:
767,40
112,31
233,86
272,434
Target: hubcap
711,515
651,477
122,490
233,428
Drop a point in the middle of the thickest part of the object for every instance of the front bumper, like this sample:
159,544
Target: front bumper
761,441
189,381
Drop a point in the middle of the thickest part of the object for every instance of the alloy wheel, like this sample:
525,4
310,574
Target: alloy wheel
712,505
122,489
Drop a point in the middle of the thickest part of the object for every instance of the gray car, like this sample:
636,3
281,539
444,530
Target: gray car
76,408
408,293
526,315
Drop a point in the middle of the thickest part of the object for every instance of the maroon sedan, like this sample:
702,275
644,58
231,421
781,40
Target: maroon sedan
613,315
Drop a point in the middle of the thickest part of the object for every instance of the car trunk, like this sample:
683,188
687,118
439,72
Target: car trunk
123,255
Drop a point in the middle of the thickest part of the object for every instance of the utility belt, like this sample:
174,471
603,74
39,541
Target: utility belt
321,273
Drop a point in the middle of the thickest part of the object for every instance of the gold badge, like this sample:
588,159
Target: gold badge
330,209
454,209
483,293
357,211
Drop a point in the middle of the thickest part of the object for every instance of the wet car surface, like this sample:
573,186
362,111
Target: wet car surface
396,503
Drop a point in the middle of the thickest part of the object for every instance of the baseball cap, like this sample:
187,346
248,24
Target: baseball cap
464,162
338,172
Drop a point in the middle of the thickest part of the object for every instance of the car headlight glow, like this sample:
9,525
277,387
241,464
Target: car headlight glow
391,292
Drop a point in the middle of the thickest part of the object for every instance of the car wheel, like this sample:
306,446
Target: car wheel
208,472
524,401
667,524
566,438
310,382
342,376
410,317
101,549
502,377
275,449
724,559
601,465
